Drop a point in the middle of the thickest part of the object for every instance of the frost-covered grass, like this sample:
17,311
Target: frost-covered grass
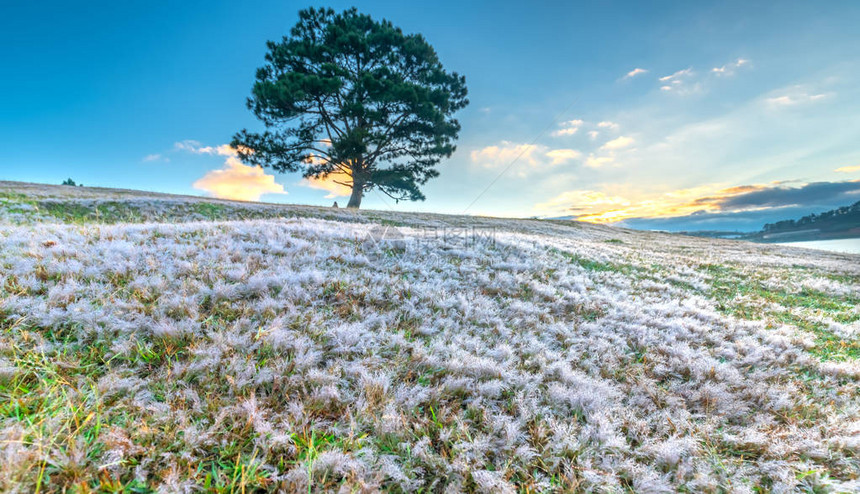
288,348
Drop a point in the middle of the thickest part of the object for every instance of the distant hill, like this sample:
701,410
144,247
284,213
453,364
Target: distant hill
842,222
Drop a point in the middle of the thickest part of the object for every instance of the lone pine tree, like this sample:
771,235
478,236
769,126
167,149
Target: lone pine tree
356,101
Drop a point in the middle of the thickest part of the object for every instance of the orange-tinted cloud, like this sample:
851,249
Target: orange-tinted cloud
601,207
238,182
604,207
330,183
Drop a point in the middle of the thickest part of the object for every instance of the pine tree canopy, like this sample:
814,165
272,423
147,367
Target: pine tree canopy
350,99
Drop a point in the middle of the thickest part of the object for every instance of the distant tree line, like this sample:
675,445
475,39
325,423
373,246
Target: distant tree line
846,216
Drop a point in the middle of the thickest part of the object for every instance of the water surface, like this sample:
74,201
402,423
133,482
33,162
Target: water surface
847,245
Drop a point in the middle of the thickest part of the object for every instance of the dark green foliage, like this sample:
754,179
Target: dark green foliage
71,182
347,96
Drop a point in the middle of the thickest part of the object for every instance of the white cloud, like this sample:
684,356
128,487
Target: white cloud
534,155
750,141
848,169
154,157
197,148
608,125
506,152
188,145
559,156
618,143
678,81
565,132
729,68
607,157
744,143
635,72
796,99
685,81
677,75
593,134
781,100
598,161
568,128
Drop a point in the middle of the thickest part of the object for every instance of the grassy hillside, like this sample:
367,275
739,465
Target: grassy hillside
154,342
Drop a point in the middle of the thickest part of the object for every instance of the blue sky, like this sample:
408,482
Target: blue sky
733,101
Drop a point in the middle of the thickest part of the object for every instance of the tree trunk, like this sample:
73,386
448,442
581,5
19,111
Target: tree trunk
357,192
